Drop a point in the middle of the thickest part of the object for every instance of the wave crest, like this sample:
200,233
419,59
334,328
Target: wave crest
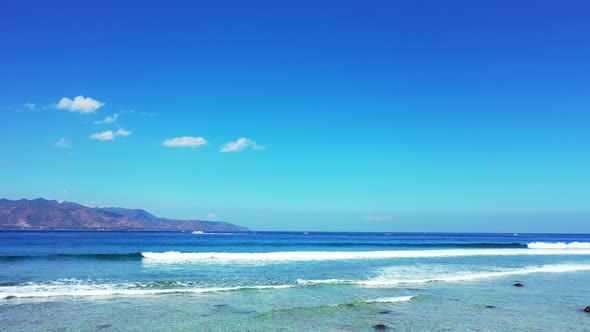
470,249
295,256
76,288
392,299
559,245
395,276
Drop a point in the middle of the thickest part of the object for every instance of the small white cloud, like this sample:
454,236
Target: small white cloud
124,133
63,143
79,104
109,135
108,119
29,106
104,136
241,144
211,216
185,141
377,218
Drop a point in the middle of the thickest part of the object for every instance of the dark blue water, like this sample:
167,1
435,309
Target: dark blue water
39,243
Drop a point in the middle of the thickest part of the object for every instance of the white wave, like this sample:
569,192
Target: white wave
392,299
395,276
466,276
280,257
306,282
60,289
559,245
389,277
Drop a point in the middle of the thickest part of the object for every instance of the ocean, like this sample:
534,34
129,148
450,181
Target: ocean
293,281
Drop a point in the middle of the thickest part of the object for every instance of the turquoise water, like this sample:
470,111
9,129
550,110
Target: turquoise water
270,281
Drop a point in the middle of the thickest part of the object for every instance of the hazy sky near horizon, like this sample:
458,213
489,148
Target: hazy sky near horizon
300,115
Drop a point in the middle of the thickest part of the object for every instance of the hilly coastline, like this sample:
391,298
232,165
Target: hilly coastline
43,214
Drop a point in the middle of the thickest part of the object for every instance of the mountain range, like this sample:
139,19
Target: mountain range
43,214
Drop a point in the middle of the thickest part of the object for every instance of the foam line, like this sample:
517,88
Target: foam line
386,280
107,290
392,299
559,245
282,257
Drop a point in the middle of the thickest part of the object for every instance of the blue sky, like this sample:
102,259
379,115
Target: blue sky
380,116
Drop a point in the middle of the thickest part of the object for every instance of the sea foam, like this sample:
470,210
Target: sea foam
394,276
283,257
387,277
76,289
559,245
392,299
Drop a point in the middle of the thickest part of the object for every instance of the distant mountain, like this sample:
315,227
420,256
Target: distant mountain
42,214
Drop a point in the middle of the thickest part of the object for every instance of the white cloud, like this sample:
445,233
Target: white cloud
124,133
104,136
185,141
241,144
29,106
211,216
110,135
63,143
79,104
108,119
377,218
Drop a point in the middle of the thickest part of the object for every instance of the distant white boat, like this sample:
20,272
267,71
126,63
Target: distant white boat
305,233
197,232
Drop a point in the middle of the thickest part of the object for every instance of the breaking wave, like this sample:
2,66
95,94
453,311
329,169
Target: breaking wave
392,299
388,277
469,249
559,245
76,288
294,256
395,276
